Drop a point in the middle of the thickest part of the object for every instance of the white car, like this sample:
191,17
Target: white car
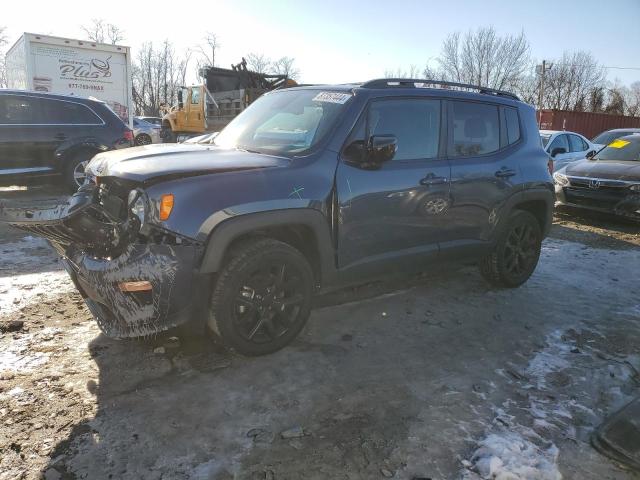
566,147
145,133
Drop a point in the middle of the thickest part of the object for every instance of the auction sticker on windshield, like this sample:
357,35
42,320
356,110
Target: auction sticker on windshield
332,97
618,143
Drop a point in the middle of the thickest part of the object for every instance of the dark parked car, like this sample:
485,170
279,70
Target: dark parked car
309,188
44,134
605,138
608,182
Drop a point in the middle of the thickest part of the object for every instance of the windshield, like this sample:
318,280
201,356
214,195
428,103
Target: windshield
284,123
622,149
605,138
545,140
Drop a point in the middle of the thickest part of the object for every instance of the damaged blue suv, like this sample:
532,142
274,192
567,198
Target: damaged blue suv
309,188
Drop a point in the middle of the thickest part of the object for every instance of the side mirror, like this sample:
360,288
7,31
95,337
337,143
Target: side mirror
558,151
381,148
591,154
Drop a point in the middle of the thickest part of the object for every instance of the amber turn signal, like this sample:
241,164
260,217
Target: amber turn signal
135,286
166,205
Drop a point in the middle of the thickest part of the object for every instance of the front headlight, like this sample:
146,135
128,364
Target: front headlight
138,205
561,179
635,188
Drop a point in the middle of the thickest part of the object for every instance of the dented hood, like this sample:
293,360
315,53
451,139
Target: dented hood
151,162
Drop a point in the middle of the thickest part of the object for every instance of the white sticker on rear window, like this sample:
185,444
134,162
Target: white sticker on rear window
332,97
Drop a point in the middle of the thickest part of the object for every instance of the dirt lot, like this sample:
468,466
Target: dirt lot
433,377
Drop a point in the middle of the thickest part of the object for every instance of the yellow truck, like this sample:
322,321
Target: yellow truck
211,106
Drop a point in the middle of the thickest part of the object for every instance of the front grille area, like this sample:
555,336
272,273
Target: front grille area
603,197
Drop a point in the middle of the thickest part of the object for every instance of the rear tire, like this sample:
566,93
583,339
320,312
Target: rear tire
516,253
262,297
142,139
73,173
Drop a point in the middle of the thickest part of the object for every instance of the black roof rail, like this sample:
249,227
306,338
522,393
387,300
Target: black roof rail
411,82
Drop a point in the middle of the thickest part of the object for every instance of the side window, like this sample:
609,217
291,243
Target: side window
16,110
577,144
513,125
414,122
559,142
64,113
475,129
195,96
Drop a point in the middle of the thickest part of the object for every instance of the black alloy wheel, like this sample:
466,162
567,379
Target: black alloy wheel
515,256
262,297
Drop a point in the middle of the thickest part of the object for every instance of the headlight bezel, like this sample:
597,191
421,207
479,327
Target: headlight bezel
138,205
635,188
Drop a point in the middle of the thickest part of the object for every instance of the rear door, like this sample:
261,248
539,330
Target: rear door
482,138
399,208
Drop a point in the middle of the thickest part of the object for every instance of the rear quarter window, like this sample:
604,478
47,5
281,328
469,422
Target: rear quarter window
513,125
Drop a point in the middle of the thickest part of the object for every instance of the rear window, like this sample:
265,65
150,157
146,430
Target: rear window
61,112
25,110
475,129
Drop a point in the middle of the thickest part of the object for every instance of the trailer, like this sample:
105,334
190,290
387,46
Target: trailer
73,67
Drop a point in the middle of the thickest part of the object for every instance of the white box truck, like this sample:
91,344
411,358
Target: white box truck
72,67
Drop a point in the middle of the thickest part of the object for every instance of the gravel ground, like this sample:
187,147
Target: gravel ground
436,377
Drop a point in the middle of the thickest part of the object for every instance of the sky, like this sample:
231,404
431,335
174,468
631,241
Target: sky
349,41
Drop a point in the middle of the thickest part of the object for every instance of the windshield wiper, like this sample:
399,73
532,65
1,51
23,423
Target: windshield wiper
242,148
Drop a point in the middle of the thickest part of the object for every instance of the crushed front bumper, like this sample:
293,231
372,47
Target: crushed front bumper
170,302
101,254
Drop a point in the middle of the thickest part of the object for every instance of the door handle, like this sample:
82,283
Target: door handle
505,173
433,179
60,136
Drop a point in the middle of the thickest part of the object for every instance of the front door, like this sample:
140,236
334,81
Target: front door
398,208
195,112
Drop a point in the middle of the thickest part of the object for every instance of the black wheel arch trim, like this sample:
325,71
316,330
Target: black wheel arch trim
530,195
231,229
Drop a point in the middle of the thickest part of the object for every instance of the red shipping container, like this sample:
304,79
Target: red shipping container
586,123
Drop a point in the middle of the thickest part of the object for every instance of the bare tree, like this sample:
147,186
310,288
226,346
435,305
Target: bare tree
483,58
158,73
206,52
632,98
103,32
286,66
3,70
258,62
413,71
570,82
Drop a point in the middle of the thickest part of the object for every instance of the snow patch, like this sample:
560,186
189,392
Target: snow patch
29,268
507,455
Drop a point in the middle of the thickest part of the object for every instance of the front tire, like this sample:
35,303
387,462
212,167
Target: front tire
262,297
516,253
